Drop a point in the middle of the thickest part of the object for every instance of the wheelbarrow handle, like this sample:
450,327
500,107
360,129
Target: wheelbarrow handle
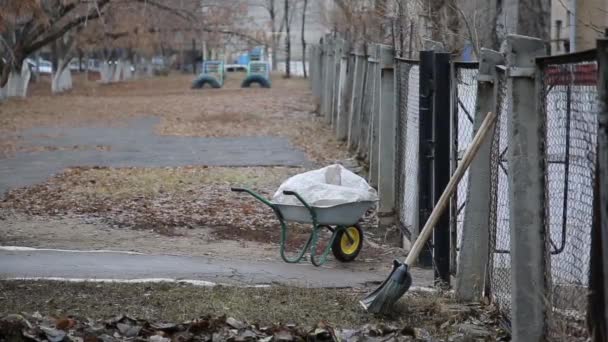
256,195
310,209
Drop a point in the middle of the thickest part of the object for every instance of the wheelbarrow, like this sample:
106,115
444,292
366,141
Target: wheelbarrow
341,220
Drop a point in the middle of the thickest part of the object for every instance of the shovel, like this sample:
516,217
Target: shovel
400,280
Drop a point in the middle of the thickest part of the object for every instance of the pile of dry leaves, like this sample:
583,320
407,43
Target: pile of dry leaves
164,199
124,328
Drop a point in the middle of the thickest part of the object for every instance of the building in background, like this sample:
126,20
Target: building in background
576,24
315,27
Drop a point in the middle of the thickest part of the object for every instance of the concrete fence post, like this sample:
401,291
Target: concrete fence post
387,138
526,179
375,121
346,81
357,98
328,73
318,71
474,248
601,322
337,58
368,103
311,67
323,78
314,73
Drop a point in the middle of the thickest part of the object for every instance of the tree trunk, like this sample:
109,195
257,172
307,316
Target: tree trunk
275,37
62,77
526,17
287,42
18,81
118,71
305,6
106,72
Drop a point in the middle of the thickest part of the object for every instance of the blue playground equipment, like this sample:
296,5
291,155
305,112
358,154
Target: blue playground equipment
212,74
258,70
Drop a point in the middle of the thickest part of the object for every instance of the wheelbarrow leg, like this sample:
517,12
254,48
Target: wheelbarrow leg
300,254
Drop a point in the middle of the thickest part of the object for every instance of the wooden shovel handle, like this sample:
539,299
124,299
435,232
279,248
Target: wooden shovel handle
485,128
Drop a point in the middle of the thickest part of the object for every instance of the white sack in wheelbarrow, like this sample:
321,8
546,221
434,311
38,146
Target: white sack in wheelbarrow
327,187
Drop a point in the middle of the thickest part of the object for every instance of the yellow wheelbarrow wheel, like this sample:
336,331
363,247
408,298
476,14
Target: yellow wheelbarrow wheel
348,243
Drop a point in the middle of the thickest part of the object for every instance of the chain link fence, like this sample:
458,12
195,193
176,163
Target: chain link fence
463,108
570,109
568,102
499,260
407,146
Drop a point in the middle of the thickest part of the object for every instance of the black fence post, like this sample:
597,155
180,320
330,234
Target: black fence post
425,148
598,300
441,163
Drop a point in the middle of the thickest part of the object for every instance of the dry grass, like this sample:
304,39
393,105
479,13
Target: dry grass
285,110
436,313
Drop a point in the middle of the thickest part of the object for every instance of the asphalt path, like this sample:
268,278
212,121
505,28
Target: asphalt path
106,266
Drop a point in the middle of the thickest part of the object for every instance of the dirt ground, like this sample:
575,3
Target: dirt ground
166,210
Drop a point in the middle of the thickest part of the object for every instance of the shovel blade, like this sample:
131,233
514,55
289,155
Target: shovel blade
391,289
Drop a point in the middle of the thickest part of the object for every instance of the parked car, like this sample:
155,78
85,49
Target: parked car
44,67
74,65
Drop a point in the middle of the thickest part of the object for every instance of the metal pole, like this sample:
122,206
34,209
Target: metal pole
375,122
441,163
425,150
526,181
602,267
474,249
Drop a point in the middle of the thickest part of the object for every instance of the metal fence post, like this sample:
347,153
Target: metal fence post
425,195
599,299
387,138
473,256
346,81
441,162
526,180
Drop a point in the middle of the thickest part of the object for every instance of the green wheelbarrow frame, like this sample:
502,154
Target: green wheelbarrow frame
311,243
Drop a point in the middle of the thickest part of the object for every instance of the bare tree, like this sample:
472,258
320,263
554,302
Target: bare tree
304,9
287,41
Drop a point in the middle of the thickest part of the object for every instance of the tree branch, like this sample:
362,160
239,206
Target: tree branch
53,35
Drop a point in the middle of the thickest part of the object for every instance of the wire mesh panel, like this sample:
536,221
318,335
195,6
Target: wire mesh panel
407,145
569,104
499,260
465,92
